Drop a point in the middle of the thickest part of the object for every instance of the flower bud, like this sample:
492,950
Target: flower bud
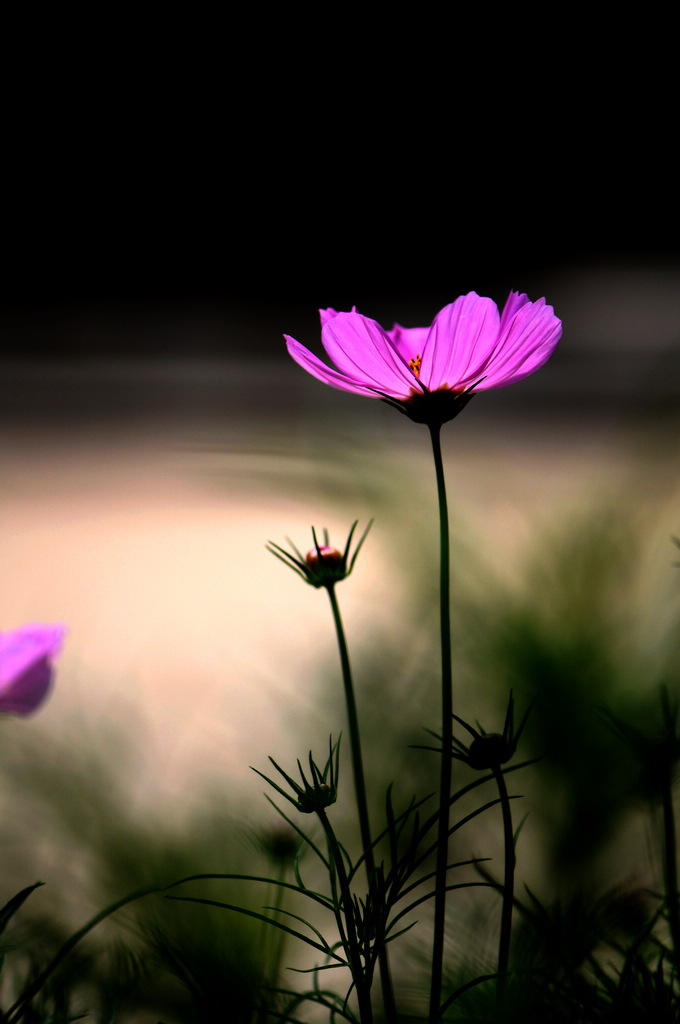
317,792
316,798
280,843
329,558
323,566
490,750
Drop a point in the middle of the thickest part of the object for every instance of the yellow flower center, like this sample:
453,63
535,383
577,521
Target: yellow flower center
414,364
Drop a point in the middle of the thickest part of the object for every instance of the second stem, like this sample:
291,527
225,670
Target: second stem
447,730
362,802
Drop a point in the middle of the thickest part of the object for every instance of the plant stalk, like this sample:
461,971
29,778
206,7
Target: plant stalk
389,1004
350,940
508,885
447,731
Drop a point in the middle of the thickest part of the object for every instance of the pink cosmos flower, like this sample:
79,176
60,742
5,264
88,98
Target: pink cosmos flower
430,373
26,669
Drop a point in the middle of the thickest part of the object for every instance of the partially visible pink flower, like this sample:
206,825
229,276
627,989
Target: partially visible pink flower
26,666
430,373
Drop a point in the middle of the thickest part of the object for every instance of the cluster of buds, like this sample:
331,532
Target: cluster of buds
315,793
323,565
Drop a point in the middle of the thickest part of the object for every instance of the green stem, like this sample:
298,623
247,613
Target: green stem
508,885
389,1004
355,742
273,941
447,729
671,869
350,939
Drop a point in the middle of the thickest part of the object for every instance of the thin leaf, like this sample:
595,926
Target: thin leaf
274,785
463,821
10,908
464,988
318,897
432,874
297,917
518,830
429,895
258,917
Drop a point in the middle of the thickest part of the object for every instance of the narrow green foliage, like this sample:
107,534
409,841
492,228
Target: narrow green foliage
16,902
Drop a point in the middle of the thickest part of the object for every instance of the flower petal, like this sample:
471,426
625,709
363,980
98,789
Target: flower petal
309,362
462,337
526,344
327,314
408,341
468,345
26,669
361,350
514,302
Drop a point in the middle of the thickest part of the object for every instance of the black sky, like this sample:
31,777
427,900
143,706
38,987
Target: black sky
258,168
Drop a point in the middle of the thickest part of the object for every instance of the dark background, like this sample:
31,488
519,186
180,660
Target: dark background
246,170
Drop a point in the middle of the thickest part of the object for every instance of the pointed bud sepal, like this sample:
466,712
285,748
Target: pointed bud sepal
489,750
315,793
323,565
